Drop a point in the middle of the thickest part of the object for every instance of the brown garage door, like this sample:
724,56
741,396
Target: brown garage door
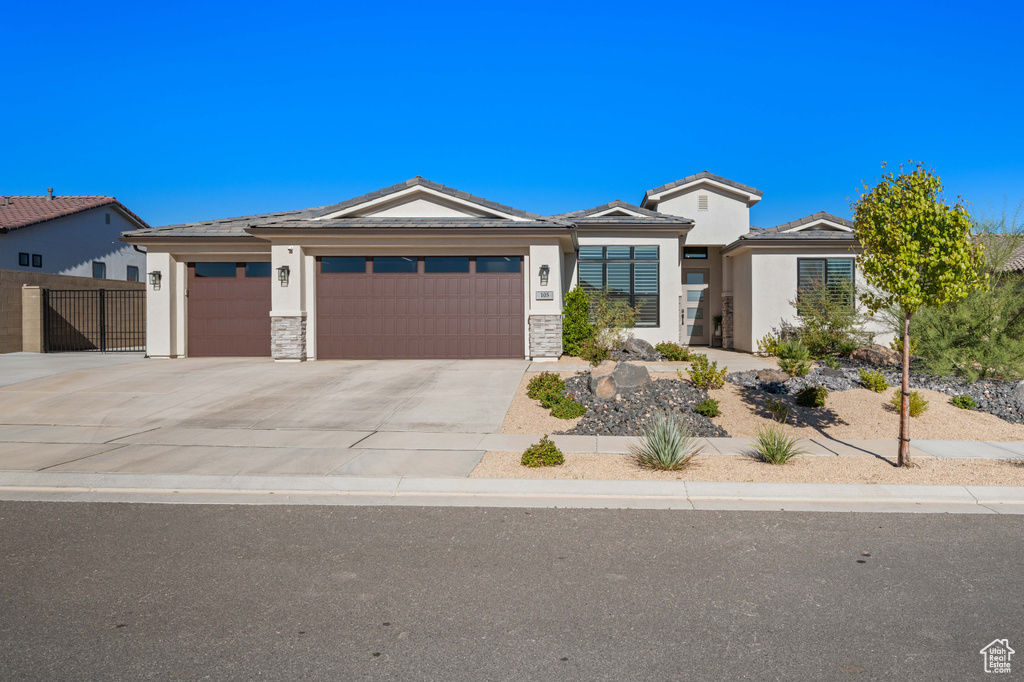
458,307
229,309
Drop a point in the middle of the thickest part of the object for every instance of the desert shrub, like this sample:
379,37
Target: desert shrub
542,454
709,408
918,405
568,408
594,353
829,320
544,383
673,351
794,358
705,374
576,327
612,318
831,363
874,380
964,402
777,409
768,345
812,396
774,446
666,443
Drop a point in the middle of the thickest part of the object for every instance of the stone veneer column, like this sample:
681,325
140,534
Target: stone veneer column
545,336
288,337
727,306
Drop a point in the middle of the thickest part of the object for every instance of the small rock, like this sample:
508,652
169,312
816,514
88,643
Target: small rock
829,372
638,347
1016,395
876,355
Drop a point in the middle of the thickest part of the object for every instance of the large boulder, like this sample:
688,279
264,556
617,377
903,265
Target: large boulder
876,355
613,378
638,347
1016,396
774,376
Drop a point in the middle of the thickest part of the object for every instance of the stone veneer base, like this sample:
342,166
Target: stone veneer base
545,336
288,337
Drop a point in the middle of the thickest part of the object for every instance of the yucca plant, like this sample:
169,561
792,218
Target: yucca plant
774,446
666,443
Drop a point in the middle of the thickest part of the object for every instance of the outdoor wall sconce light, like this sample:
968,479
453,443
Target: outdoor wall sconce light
544,271
282,275
154,279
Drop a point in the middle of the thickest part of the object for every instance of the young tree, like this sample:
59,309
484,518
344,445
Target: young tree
916,251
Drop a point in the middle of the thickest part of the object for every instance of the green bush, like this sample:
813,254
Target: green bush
542,454
705,374
829,321
812,396
964,402
918,405
772,445
544,383
612,319
794,358
568,408
778,409
666,443
593,352
831,363
576,327
768,344
874,380
673,351
709,408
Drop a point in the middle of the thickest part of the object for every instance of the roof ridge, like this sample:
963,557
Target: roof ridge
704,174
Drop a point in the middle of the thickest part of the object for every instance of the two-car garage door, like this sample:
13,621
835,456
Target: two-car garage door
419,307
368,308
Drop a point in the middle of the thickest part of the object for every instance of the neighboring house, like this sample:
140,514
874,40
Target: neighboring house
73,235
420,270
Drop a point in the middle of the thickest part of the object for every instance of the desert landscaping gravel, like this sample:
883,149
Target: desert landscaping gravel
823,469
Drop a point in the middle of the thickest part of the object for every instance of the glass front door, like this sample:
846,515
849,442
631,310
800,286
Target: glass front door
695,323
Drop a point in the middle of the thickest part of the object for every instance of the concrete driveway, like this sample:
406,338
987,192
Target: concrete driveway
235,416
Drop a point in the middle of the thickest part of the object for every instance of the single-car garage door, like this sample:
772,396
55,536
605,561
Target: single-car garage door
229,309
419,307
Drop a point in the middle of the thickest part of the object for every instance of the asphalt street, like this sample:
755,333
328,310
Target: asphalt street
182,592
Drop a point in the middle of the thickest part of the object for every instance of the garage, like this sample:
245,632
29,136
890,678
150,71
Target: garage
419,307
228,309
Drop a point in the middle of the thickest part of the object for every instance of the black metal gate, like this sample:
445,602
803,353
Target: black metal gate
102,320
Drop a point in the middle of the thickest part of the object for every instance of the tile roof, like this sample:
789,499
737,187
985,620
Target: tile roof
586,216
704,175
17,212
408,223
419,181
820,215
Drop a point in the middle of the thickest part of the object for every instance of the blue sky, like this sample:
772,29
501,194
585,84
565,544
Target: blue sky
194,111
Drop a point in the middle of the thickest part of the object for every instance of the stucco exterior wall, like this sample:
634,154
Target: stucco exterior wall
742,291
725,220
669,278
69,245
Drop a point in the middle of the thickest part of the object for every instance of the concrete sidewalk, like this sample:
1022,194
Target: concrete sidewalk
390,491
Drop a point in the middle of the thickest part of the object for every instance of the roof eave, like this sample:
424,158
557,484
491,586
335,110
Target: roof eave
789,243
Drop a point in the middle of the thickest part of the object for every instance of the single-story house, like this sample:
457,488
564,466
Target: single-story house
69,235
421,270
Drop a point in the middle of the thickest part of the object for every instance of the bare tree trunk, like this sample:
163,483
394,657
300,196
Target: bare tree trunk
904,455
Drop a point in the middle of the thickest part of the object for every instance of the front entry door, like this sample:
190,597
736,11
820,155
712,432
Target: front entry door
694,327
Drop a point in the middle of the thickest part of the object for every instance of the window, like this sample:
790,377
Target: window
23,260
702,202
395,264
695,278
343,264
133,273
216,270
99,270
690,252
444,264
257,269
836,274
628,273
37,260
499,264
108,218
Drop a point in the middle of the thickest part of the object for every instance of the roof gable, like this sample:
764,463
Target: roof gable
750,195
17,212
619,211
818,222
420,198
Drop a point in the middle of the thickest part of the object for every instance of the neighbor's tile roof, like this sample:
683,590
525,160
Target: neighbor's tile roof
587,217
701,176
21,211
